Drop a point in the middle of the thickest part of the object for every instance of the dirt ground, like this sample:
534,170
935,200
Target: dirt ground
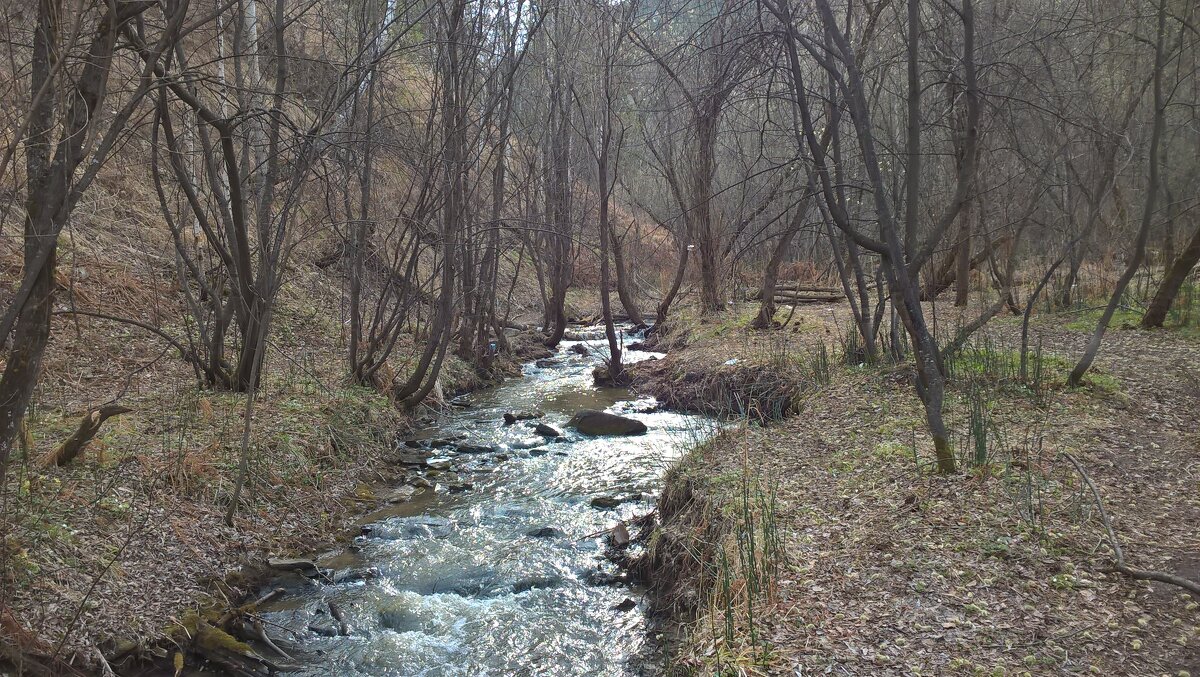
1002,569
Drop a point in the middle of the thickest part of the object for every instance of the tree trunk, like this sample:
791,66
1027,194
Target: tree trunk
1176,275
962,281
628,302
704,233
766,308
48,201
664,306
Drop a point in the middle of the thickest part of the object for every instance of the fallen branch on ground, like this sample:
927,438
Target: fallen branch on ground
77,442
1139,574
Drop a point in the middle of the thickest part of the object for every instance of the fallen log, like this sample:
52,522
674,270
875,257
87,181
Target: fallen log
796,286
803,291
89,425
808,298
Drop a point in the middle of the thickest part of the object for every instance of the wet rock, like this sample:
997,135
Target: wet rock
470,581
605,502
457,487
536,583
619,536
514,416
400,620
545,532
591,422
324,629
447,441
439,463
402,494
636,345
412,458
352,575
583,335
546,363
474,449
539,451
610,502
580,349
291,564
547,430
527,443
562,439
416,444
600,577
626,605
501,457
414,527
421,483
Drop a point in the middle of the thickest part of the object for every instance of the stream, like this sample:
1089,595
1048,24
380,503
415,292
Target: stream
503,570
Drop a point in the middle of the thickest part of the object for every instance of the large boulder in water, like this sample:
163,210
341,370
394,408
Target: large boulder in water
591,422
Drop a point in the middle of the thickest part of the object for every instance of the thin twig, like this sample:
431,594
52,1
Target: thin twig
1140,574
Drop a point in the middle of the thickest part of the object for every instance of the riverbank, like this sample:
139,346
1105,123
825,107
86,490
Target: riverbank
825,542
107,556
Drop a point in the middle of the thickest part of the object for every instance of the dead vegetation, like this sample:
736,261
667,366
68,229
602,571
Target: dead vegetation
108,552
1005,569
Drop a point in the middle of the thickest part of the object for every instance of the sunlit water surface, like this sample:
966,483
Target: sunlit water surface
463,589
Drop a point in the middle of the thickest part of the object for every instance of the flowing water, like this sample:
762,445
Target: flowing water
508,577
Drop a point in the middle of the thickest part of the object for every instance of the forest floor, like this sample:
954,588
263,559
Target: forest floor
881,566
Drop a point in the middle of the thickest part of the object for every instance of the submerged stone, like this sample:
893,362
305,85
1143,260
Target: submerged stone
605,502
544,532
536,583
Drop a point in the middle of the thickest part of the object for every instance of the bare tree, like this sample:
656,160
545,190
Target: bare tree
86,135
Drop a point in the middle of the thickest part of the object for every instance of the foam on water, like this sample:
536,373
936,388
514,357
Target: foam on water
463,589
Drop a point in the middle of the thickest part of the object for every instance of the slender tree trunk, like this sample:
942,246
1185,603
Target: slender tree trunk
624,292
43,196
766,309
615,369
1152,189
664,306
704,233
962,282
